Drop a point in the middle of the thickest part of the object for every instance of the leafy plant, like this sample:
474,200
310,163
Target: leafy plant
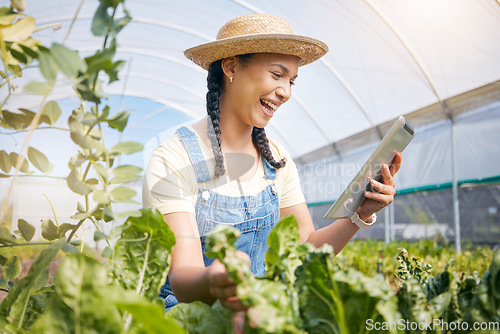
305,290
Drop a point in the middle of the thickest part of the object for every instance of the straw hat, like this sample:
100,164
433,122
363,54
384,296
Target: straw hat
257,33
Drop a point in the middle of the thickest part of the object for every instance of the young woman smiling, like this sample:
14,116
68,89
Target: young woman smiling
223,170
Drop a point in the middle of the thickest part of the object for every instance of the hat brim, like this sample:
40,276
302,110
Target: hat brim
308,49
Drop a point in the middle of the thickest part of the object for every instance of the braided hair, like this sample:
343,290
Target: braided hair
215,88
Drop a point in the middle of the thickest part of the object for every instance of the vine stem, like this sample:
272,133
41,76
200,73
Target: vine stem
104,44
80,224
8,81
35,175
52,206
98,228
39,128
27,244
20,159
48,26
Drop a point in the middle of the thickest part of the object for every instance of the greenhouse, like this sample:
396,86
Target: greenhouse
91,88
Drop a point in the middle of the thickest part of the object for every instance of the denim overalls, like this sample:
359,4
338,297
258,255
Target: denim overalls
254,216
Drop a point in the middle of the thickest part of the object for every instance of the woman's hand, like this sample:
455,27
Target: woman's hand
384,196
223,288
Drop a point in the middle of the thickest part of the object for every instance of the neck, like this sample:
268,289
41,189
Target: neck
236,136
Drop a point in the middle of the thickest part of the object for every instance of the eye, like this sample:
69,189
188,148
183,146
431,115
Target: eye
277,74
292,83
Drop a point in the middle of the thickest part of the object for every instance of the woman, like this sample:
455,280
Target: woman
224,170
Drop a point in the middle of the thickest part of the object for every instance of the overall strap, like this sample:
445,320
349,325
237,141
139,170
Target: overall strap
192,146
269,171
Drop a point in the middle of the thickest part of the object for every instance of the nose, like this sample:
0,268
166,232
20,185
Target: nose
284,92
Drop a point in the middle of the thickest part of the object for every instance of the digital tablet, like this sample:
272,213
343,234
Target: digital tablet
396,140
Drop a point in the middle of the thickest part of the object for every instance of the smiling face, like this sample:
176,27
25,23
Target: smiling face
260,84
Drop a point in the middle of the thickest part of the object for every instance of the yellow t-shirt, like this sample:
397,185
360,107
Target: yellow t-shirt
170,183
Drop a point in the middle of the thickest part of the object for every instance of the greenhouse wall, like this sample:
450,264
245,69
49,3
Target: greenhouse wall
429,215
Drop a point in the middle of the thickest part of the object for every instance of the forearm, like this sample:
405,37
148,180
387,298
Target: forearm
190,283
336,234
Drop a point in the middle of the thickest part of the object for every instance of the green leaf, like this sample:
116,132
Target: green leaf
116,231
285,252
5,236
6,19
80,207
98,235
128,213
15,69
107,252
105,214
101,21
63,228
151,318
37,305
39,88
76,185
103,171
75,122
70,249
48,66
5,164
26,229
119,121
125,173
123,195
39,160
127,147
143,264
83,302
15,120
49,230
30,48
119,24
12,268
14,305
101,197
19,56
68,61
53,111
13,157
19,31
198,317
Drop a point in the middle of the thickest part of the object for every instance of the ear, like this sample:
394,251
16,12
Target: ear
228,66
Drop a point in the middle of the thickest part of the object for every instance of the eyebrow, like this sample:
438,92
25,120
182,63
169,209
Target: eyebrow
285,69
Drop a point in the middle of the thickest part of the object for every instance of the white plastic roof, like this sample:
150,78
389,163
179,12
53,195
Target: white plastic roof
387,58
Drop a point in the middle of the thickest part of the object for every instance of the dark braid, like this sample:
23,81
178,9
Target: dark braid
260,141
215,87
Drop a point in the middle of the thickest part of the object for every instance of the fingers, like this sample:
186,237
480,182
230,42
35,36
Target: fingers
219,284
234,304
223,288
396,164
384,191
387,179
381,198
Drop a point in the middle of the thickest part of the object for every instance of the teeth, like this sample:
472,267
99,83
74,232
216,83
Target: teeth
271,105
